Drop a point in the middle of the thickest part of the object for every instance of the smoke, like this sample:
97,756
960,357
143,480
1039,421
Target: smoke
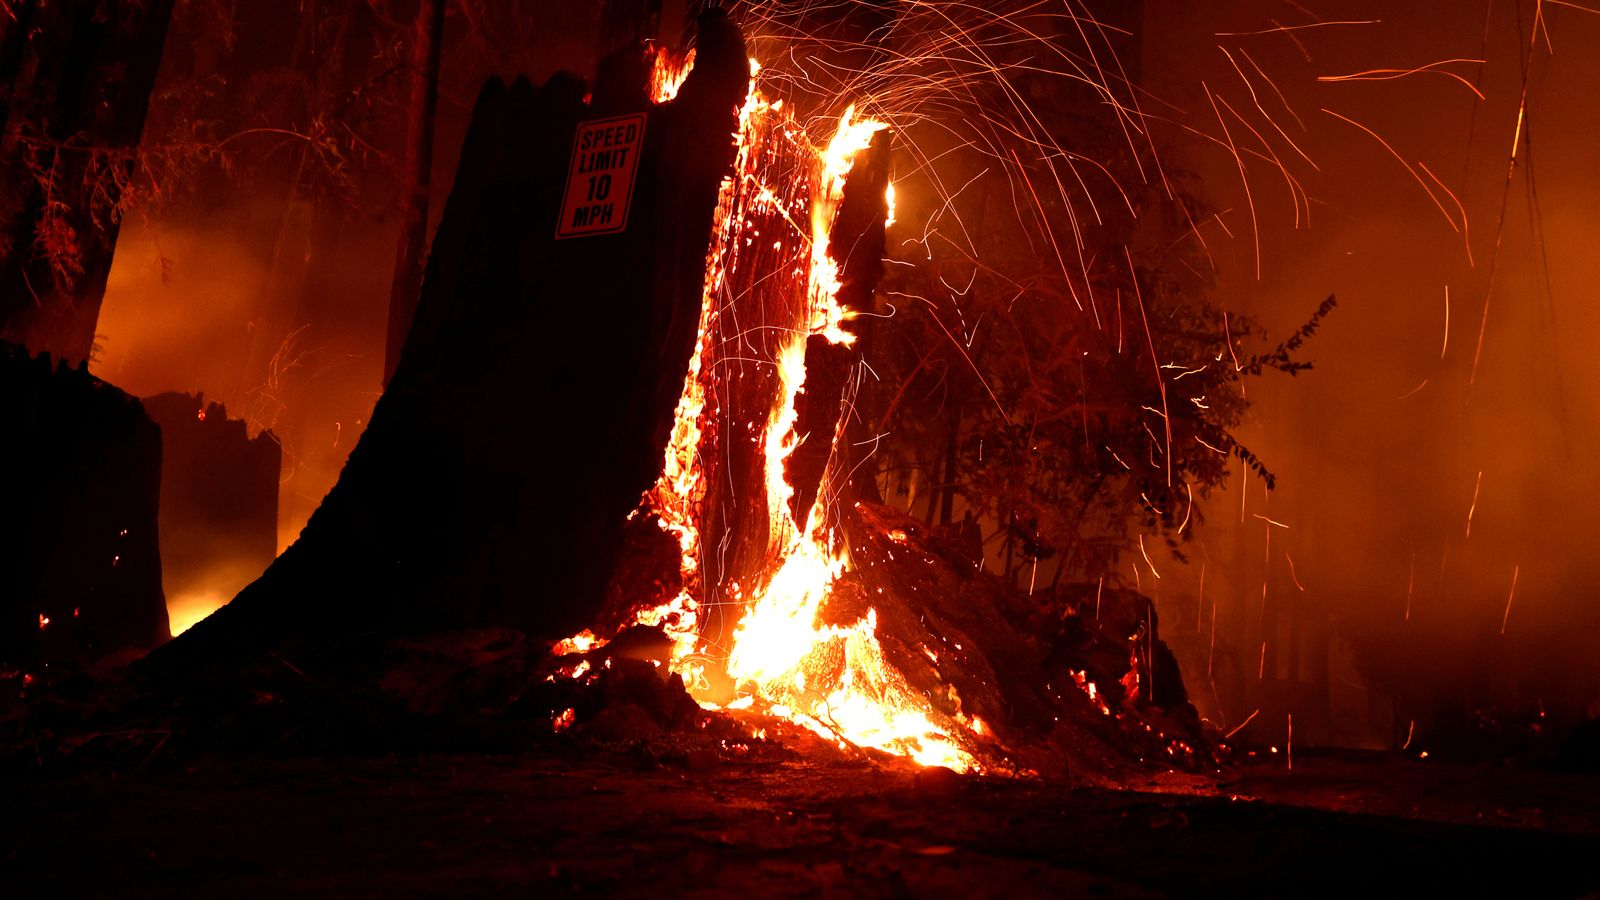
198,309
264,282
1403,438
207,592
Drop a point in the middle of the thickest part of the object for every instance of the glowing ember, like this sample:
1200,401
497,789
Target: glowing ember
563,720
1093,692
582,642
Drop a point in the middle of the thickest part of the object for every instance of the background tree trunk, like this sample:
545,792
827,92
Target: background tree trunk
411,253
79,77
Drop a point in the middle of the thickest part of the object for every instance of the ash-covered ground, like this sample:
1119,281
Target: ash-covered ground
633,823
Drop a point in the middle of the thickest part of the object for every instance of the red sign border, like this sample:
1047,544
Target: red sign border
572,174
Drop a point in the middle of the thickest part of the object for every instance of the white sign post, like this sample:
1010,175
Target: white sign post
605,157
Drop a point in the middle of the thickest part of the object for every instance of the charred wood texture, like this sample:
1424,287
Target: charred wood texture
536,389
755,316
78,79
80,568
975,646
219,494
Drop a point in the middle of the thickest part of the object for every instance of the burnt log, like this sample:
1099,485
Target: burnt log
535,392
80,468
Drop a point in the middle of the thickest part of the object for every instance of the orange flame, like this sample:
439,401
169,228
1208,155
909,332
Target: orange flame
669,73
853,136
582,642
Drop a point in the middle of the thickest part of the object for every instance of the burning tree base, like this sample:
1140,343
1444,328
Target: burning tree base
494,690
914,653
1039,686
477,691
970,675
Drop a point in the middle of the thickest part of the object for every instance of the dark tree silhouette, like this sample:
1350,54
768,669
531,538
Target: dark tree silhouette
427,45
79,77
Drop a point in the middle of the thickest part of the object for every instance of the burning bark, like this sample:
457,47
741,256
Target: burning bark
856,239
219,503
1019,685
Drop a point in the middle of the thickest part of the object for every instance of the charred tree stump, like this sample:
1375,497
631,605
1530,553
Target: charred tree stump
80,569
533,398
219,498
757,317
857,243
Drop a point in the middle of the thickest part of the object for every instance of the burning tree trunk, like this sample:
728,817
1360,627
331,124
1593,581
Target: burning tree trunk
776,358
756,334
219,503
80,76
535,391
827,612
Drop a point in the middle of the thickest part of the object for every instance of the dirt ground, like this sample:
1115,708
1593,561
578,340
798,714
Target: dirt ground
484,824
